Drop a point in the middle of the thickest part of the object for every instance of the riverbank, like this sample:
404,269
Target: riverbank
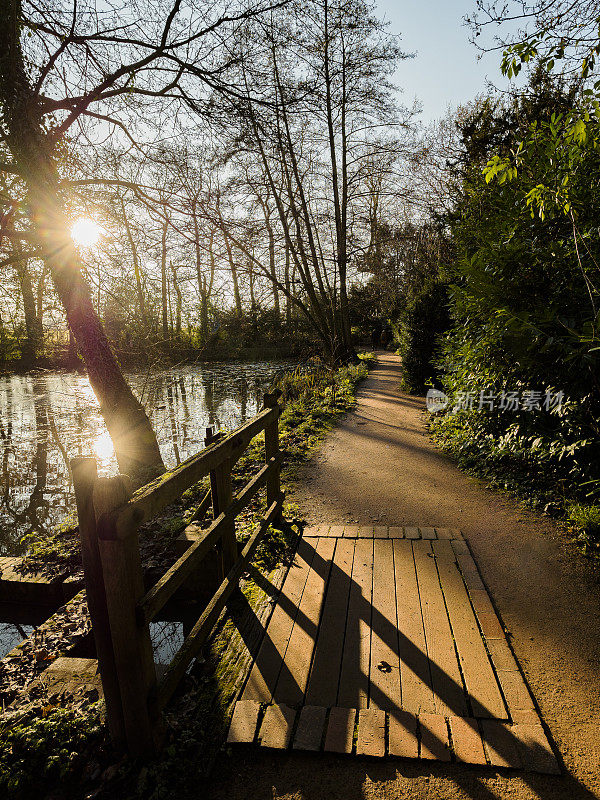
313,402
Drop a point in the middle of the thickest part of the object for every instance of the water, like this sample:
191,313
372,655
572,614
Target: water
11,635
48,418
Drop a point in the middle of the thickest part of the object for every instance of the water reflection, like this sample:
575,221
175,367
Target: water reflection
11,635
47,418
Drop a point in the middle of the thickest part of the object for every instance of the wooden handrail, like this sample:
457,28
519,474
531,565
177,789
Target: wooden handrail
151,499
197,636
252,487
109,518
179,572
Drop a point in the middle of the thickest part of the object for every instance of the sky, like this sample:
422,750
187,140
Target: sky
445,70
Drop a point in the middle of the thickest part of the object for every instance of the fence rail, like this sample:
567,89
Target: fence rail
121,609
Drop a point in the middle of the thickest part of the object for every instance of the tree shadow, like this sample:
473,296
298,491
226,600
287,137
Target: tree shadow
470,780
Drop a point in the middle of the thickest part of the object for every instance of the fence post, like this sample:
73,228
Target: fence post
124,588
85,474
220,486
272,449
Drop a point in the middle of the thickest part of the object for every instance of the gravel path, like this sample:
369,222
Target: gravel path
379,465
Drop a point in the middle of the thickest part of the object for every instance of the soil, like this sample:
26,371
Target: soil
379,465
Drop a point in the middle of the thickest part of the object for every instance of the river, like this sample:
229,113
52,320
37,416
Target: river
46,418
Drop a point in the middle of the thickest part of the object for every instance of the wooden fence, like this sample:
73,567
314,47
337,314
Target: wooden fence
120,608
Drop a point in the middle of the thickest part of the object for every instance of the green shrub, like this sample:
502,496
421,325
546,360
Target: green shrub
424,319
50,749
585,520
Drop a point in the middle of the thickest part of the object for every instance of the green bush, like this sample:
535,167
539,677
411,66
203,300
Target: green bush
585,520
50,749
422,322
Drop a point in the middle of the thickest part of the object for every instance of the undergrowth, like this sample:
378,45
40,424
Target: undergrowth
533,468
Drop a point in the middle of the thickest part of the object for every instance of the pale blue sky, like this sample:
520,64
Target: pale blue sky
445,70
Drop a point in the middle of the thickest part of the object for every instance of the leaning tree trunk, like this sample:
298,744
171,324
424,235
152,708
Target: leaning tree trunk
135,443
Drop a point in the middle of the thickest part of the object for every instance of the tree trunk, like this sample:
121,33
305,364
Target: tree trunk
31,348
163,283
178,301
136,265
340,205
272,266
234,275
41,290
72,359
288,287
134,440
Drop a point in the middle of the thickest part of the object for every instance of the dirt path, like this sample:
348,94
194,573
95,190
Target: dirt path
380,465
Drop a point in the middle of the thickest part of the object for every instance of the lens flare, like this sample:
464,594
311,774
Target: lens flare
85,232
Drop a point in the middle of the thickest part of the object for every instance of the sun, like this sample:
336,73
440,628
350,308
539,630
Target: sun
85,232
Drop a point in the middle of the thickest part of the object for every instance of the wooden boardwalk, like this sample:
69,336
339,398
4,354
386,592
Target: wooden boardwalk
384,642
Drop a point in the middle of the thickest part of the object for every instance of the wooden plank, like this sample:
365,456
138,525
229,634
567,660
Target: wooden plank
534,749
340,730
481,601
132,647
315,530
262,477
435,744
415,674
515,691
85,475
384,688
502,656
371,733
265,670
445,672
467,565
243,722
403,740
428,533
365,531
491,625
466,740
152,498
181,570
412,533
501,746
448,533
277,725
324,678
272,448
20,584
221,492
395,532
294,673
311,725
527,717
461,548
354,675
482,686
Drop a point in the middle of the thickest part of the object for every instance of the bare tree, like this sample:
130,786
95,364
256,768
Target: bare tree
63,69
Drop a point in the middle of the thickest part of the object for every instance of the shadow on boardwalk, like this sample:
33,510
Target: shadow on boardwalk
379,462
